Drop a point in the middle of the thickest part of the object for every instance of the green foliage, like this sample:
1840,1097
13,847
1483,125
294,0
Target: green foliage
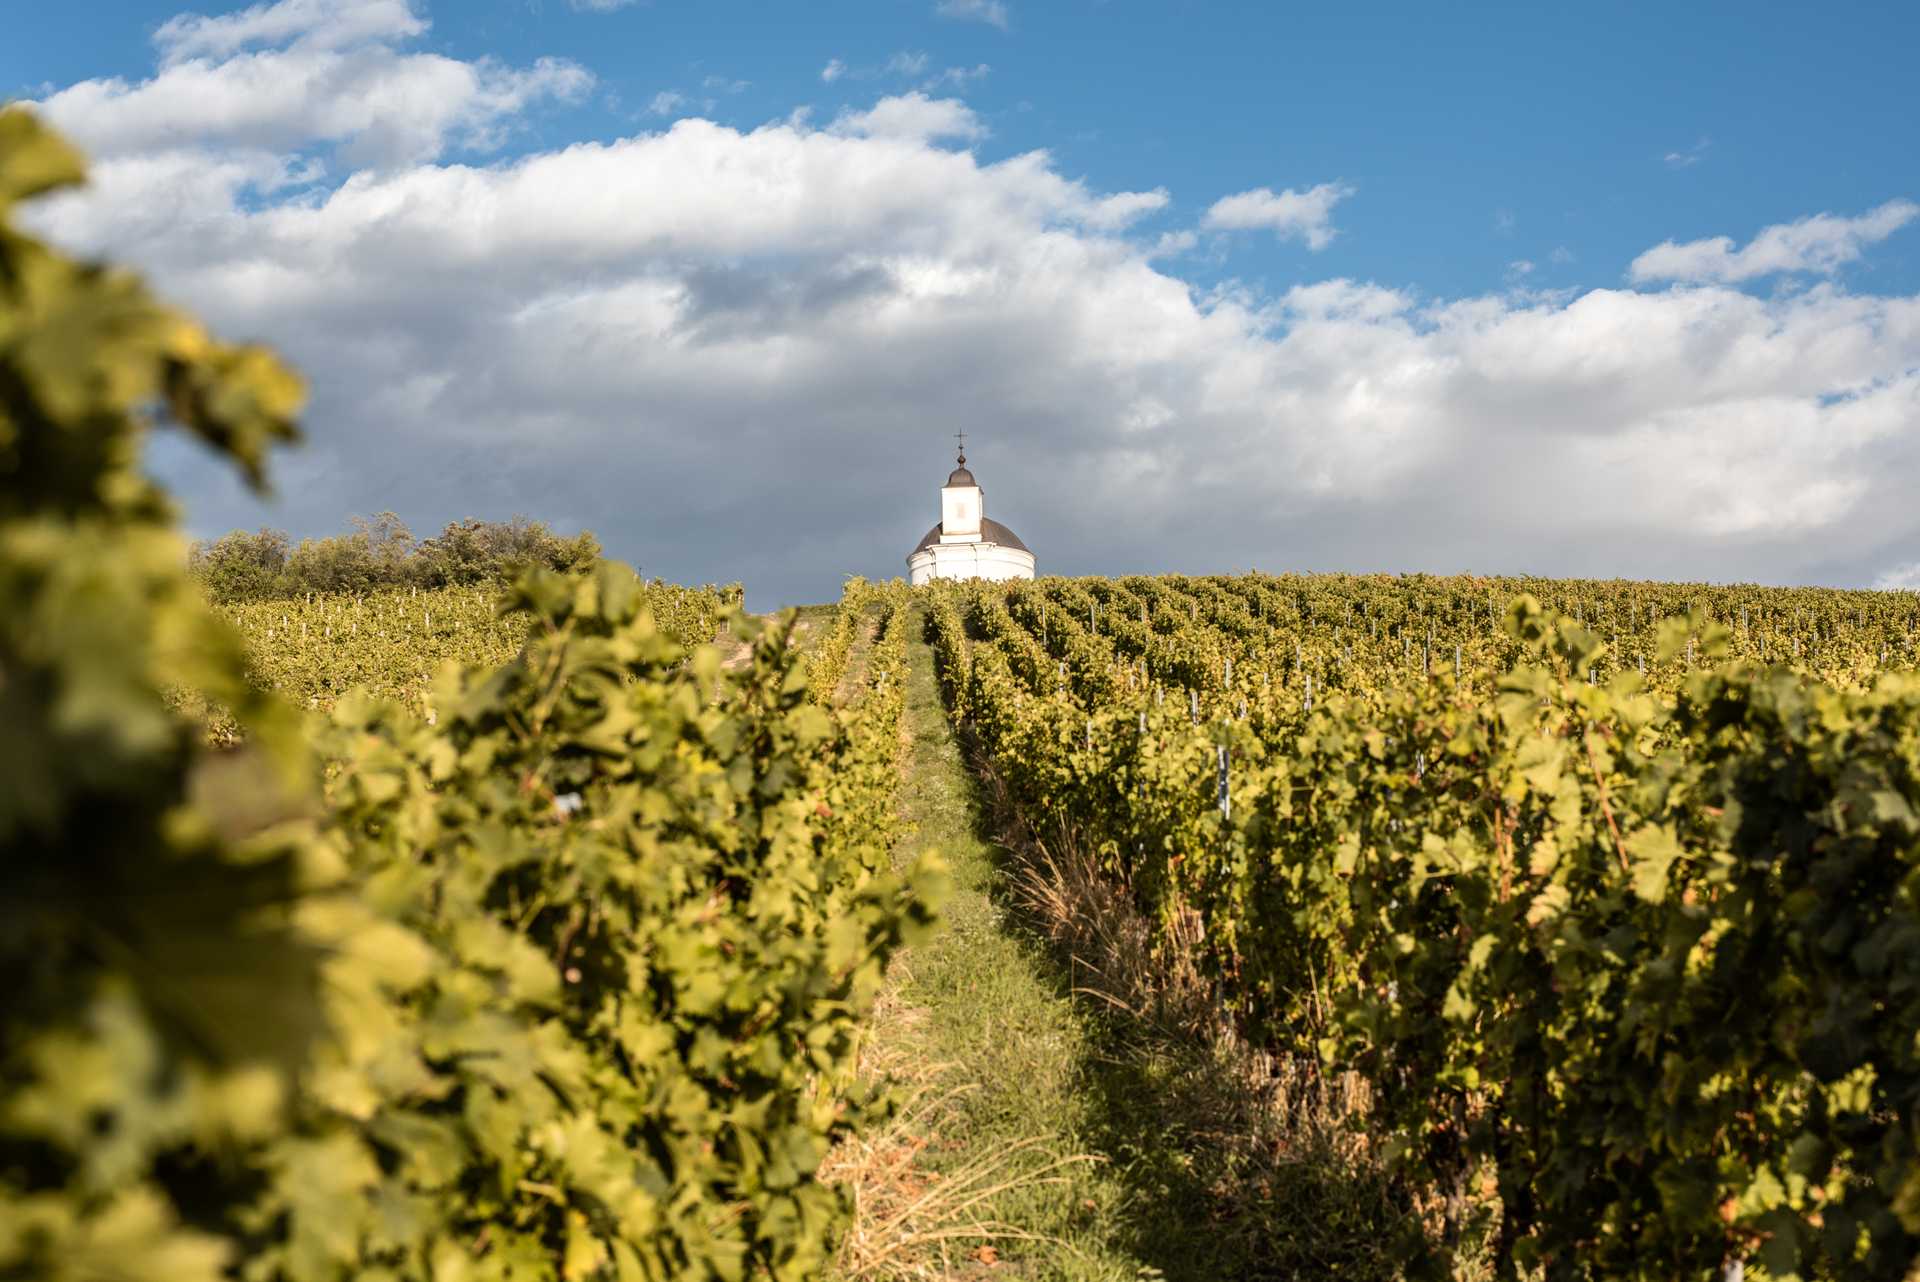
468,552
159,999
1630,964
377,554
239,566
380,555
560,980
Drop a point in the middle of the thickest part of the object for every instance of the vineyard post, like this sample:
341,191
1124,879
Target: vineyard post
1226,801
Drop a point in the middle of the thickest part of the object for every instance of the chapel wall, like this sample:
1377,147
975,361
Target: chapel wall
969,561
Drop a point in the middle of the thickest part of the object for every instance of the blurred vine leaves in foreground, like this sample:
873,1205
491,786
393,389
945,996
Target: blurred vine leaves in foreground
590,946
157,995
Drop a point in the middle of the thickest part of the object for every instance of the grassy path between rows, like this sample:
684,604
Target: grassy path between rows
1045,1137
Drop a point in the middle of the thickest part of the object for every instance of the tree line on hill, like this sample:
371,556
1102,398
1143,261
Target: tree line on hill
381,553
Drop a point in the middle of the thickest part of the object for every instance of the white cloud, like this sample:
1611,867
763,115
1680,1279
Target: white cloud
956,77
992,12
1903,578
1688,158
601,6
1822,243
913,116
726,84
306,24
1111,213
911,65
1304,215
336,78
1561,255
1172,244
1520,267
1347,301
666,102
738,353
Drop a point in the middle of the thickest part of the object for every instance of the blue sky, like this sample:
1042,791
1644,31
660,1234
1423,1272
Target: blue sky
1520,162
1473,139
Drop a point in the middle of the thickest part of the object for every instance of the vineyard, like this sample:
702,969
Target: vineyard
1608,898
314,649
539,933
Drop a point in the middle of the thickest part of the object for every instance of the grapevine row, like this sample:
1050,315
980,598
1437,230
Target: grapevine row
1631,963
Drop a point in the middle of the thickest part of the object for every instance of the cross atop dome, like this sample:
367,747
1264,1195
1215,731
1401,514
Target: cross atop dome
968,544
960,475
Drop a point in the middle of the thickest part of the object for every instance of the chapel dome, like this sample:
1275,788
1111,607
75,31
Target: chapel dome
960,475
991,531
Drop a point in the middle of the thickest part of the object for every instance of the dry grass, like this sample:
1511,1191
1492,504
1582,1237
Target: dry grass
1268,1130
911,1222
1272,1104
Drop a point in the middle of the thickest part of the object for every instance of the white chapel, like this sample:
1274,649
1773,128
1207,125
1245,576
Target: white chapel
967,544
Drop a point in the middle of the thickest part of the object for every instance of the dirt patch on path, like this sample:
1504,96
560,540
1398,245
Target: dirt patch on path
735,652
